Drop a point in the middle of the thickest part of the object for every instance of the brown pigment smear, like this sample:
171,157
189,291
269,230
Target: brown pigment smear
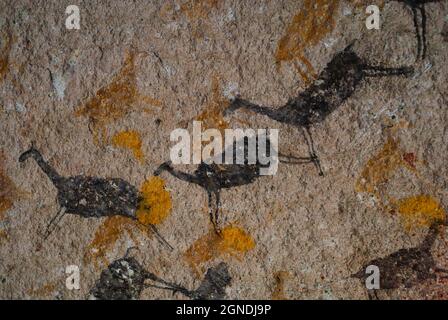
381,167
4,54
212,116
279,290
233,241
308,27
115,100
106,236
8,194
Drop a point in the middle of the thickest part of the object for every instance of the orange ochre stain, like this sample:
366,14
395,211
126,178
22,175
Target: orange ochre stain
381,167
308,27
115,100
106,236
279,290
154,207
156,203
420,211
233,241
198,9
4,54
131,140
8,194
212,116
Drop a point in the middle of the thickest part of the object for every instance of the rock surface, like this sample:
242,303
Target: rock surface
102,101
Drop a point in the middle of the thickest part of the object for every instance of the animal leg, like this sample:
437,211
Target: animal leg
423,14
417,31
213,212
373,71
313,156
289,159
159,237
167,285
54,222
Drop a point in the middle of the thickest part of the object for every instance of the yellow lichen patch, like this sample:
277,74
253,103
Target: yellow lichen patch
5,50
279,290
115,100
233,241
156,204
212,116
106,236
129,140
420,210
308,27
380,168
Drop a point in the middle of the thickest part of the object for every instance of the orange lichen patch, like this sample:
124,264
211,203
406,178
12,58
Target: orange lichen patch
156,204
129,140
5,50
212,116
233,241
308,27
115,100
420,210
380,168
279,290
108,234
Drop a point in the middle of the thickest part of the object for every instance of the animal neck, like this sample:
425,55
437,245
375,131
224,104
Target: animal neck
46,168
430,237
271,113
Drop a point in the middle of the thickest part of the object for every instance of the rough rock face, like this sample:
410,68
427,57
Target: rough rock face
102,101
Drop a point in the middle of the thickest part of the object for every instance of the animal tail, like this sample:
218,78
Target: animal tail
46,168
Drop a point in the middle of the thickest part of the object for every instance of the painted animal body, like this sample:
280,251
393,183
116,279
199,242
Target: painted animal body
89,197
337,82
124,279
405,267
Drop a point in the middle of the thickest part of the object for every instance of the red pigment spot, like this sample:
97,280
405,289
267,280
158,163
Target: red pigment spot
410,159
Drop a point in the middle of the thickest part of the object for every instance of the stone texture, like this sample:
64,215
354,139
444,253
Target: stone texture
162,64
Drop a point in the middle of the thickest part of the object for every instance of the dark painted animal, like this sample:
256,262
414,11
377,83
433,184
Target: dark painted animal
405,267
215,177
125,279
336,83
89,197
